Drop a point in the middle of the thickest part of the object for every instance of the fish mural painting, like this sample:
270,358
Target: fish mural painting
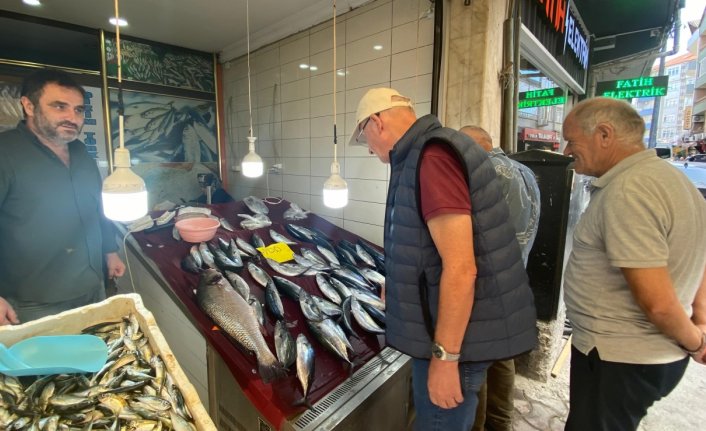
166,129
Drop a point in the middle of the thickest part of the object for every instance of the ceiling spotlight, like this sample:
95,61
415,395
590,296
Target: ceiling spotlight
303,66
377,47
313,68
119,21
32,2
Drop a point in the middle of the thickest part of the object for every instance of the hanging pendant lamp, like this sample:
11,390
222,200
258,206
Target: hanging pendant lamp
252,165
335,187
124,192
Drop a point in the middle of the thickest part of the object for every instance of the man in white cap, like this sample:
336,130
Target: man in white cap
457,294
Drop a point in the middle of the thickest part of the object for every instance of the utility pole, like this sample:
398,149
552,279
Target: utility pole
655,110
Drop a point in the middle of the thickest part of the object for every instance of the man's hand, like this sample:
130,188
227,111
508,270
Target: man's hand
444,384
7,313
116,267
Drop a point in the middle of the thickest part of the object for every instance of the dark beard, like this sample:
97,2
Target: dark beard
51,132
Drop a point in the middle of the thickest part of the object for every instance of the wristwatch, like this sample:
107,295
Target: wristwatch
438,351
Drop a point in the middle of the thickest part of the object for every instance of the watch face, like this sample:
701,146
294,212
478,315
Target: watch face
437,351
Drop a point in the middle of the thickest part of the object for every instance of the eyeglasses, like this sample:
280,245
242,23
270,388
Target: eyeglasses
358,139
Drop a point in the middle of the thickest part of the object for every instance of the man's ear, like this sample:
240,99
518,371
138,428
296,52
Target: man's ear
605,133
27,105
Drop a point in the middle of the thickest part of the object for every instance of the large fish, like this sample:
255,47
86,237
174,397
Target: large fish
232,313
305,366
288,269
284,344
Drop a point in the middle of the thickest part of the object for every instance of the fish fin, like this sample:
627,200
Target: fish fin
304,402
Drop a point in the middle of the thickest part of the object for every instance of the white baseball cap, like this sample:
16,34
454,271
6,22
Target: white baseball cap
374,101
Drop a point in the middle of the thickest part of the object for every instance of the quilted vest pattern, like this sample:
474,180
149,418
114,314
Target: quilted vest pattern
502,323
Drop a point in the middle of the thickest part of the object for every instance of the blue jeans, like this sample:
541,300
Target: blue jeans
430,417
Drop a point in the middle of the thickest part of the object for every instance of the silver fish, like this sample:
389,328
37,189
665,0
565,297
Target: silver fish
284,344
363,318
226,225
175,233
246,247
258,274
329,255
328,308
273,301
312,256
330,337
256,241
256,308
194,252
342,289
254,222
364,255
239,284
305,366
373,276
326,288
207,256
256,205
232,313
346,318
368,298
287,287
278,237
288,269
309,308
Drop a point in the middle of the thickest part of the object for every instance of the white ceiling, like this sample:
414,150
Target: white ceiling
205,25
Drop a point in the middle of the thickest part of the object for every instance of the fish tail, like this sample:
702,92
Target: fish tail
304,402
271,371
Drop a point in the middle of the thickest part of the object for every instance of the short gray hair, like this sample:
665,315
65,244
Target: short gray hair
628,124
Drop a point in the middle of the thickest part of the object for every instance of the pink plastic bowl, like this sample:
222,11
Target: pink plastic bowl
197,229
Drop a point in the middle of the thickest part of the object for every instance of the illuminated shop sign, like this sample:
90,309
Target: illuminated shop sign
564,22
642,86
541,97
537,135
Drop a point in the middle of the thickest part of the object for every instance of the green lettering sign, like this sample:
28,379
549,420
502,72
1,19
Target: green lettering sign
643,86
541,97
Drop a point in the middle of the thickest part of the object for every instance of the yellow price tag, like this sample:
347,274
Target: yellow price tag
279,252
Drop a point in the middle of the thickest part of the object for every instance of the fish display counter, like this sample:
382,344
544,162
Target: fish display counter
290,345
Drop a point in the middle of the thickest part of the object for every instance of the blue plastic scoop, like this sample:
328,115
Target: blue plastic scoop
54,354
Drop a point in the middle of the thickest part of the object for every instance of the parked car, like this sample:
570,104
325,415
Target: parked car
698,158
696,172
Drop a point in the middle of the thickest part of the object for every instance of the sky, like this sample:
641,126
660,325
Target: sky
692,11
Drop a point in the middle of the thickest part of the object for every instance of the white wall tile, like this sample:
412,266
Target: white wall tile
295,147
268,114
296,165
295,110
324,61
295,50
365,168
426,32
292,72
322,147
262,60
369,232
266,79
417,88
404,11
423,108
362,50
323,105
321,167
364,212
296,90
404,37
410,63
323,126
370,22
368,73
367,190
295,129
322,39
296,183
323,84
301,199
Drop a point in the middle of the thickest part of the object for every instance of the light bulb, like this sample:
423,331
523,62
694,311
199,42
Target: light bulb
252,163
335,188
124,192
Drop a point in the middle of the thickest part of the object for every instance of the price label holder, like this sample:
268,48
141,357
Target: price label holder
279,252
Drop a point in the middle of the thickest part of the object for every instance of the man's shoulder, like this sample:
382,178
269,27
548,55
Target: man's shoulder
10,137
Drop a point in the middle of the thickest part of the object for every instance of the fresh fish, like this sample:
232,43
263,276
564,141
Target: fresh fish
294,212
256,205
239,284
284,344
375,313
329,255
175,233
326,288
287,287
363,318
351,278
273,301
300,232
305,366
278,237
234,254
229,311
224,245
181,424
288,269
226,225
364,256
312,256
256,241
189,264
258,274
256,307
313,268
194,252
342,289
373,276
344,255
368,298
326,307
372,251
330,337
309,308
207,256
246,247
346,318
222,260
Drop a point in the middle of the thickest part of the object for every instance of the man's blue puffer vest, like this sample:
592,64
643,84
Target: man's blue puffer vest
503,318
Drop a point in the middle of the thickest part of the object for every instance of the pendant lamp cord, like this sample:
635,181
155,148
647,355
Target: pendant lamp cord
247,30
121,111
335,135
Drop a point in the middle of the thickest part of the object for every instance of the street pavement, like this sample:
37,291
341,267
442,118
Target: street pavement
544,406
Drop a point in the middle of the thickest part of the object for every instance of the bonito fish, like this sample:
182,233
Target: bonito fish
232,313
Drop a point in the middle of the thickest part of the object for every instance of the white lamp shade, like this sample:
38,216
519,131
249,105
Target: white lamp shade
335,192
252,163
124,196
